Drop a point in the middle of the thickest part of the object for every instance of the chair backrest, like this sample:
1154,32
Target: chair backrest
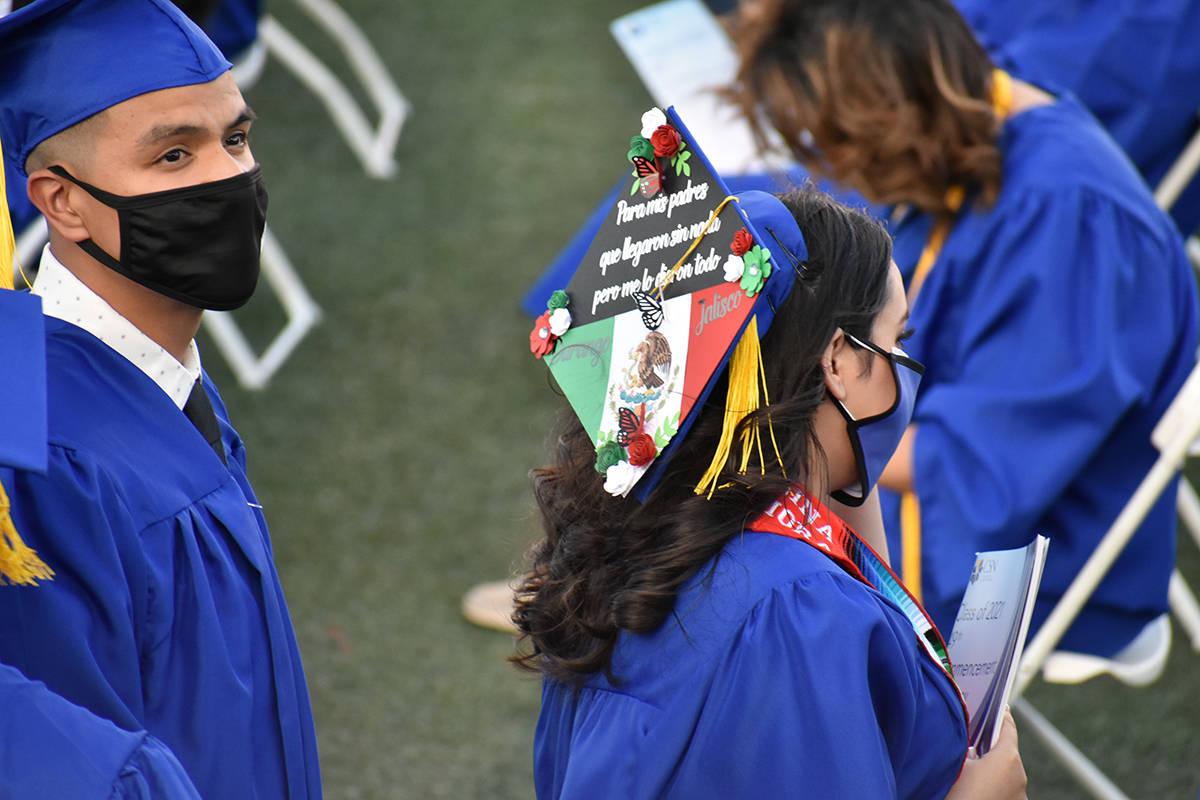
1174,434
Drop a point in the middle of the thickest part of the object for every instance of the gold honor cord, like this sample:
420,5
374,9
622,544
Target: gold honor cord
910,507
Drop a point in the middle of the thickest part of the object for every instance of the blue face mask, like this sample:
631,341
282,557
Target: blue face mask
876,438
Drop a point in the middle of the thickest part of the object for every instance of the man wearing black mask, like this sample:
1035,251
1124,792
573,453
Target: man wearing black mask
162,611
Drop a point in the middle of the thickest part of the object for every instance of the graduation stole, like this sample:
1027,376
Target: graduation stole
798,515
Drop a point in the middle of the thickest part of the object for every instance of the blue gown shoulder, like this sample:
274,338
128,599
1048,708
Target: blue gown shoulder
776,673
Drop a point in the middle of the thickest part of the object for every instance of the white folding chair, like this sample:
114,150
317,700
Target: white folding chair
1141,661
252,370
1183,601
374,146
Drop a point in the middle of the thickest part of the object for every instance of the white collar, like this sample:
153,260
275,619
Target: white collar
66,297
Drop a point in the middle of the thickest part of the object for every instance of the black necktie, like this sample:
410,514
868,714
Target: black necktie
199,410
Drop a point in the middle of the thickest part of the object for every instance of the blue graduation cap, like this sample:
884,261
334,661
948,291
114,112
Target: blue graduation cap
66,60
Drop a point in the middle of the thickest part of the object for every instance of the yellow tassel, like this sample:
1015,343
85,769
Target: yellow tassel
747,393
19,563
8,242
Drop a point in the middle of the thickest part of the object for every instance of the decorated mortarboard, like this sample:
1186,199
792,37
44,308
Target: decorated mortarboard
680,281
66,60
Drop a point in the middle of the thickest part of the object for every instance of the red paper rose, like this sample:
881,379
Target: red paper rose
665,140
541,340
742,242
641,449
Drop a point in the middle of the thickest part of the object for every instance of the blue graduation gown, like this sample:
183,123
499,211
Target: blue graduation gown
165,614
50,747
1055,328
1135,65
778,675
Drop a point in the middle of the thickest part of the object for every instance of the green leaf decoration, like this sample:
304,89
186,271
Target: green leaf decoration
668,429
636,183
680,161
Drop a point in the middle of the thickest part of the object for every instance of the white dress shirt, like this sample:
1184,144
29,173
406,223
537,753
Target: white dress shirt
67,298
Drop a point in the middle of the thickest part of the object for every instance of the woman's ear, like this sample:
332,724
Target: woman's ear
834,364
51,195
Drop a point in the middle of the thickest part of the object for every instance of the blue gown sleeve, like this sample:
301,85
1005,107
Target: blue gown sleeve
76,633
50,747
1056,330
796,710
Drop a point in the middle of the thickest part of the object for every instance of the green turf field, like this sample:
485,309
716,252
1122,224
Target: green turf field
391,452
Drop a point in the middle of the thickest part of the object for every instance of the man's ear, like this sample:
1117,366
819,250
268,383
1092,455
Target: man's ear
52,195
835,363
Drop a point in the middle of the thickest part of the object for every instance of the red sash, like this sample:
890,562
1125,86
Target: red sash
798,515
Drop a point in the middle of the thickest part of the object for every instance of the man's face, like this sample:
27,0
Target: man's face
167,139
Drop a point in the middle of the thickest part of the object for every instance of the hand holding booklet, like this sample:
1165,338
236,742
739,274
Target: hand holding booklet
989,634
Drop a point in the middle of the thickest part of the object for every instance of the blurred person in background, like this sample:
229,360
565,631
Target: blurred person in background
159,612
1135,66
1052,302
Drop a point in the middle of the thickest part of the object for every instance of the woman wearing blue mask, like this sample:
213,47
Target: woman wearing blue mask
743,641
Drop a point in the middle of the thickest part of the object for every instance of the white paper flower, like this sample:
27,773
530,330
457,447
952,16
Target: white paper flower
620,478
733,268
651,120
560,320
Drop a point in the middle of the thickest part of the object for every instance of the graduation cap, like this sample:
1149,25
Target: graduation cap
66,60
680,282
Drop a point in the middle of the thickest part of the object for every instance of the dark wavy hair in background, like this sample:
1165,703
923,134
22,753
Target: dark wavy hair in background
611,564
890,97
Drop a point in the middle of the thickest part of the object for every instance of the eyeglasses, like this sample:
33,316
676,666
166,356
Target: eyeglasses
897,356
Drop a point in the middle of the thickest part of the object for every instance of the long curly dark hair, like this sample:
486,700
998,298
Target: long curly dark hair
610,564
891,97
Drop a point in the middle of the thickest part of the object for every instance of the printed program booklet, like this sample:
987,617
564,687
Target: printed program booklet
989,634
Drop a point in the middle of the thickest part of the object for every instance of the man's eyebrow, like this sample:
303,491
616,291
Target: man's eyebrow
160,132
247,115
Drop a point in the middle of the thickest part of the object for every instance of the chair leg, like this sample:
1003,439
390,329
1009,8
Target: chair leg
1188,506
1185,608
1081,768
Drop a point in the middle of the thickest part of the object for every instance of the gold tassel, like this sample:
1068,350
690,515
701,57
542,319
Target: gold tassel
747,393
19,563
8,242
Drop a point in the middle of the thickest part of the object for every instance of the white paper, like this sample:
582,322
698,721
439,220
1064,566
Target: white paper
682,54
989,634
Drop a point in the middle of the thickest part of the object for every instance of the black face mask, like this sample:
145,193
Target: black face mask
199,244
